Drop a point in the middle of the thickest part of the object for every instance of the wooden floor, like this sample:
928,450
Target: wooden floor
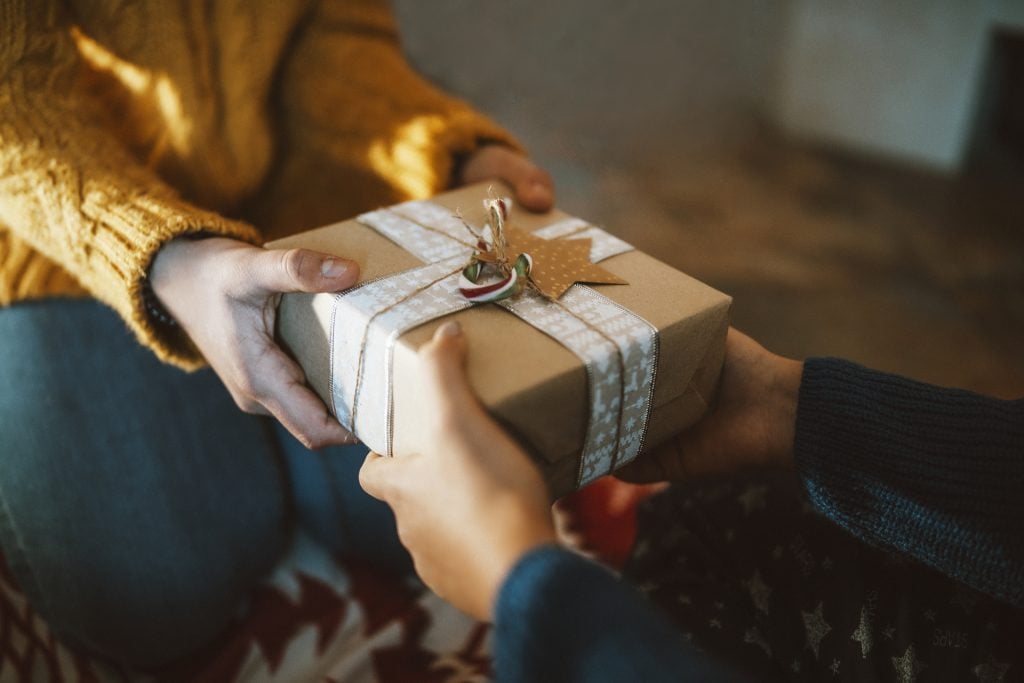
832,254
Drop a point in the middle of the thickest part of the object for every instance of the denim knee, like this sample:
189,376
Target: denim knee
150,602
137,504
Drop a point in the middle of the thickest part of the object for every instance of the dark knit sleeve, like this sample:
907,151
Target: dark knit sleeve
933,473
560,617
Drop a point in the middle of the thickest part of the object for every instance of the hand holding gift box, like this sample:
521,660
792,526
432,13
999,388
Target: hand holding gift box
584,379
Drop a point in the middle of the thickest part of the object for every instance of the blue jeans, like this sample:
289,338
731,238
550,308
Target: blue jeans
138,505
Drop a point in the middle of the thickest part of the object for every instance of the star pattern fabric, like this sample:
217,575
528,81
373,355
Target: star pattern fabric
991,672
792,593
908,667
863,633
760,592
815,628
754,637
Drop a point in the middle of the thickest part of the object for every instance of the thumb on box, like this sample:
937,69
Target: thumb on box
302,270
377,475
443,364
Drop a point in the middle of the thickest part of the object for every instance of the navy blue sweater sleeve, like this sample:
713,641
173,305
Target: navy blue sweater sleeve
560,617
936,474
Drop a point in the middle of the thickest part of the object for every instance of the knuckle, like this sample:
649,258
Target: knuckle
247,405
315,442
381,487
408,539
246,388
241,403
291,263
315,439
365,478
239,273
371,483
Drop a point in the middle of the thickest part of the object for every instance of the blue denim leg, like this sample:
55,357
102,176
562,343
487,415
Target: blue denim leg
335,510
138,505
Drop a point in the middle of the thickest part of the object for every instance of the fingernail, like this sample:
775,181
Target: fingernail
333,268
450,329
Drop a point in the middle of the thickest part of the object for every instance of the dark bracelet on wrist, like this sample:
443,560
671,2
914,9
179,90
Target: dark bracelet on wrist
153,306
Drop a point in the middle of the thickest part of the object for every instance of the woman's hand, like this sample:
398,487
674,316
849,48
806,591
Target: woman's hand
224,294
471,503
533,187
751,422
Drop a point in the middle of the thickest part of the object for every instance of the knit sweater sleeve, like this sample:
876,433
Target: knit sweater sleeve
70,189
933,473
349,95
560,617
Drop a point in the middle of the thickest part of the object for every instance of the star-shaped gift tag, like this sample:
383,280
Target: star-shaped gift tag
558,264
518,257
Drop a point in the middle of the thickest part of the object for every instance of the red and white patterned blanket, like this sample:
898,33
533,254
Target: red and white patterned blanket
318,619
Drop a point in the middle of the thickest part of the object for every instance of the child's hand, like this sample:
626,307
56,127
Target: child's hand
751,422
534,189
471,503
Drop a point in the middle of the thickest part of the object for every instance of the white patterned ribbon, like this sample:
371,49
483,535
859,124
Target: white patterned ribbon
619,352
365,323
618,348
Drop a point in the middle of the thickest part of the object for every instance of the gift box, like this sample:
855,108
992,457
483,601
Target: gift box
584,375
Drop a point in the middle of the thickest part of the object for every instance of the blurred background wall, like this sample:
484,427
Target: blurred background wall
899,77
849,170
902,78
599,76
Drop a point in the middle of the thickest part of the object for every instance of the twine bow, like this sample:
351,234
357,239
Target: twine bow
507,260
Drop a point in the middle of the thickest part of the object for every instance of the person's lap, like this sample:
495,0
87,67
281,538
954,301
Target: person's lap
751,574
138,505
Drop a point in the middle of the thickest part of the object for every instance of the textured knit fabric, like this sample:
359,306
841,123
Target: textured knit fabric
124,125
562,618
749,572
936,474
931,478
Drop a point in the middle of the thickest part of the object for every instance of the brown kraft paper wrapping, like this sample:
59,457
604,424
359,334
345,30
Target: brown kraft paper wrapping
530,383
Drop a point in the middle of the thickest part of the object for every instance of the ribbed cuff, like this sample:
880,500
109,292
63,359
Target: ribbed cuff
468,131
934,473
131,231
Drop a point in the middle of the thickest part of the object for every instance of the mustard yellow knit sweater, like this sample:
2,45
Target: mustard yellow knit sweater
125,124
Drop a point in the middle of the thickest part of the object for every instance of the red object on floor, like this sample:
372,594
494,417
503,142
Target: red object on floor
605,515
